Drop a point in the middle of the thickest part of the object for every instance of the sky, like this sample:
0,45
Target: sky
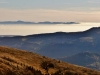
50,10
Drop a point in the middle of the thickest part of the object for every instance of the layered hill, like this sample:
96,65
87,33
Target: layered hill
58,44
18,62
87,59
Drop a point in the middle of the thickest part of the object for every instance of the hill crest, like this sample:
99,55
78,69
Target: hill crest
18,62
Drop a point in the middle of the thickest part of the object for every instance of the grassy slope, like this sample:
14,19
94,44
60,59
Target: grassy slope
18,62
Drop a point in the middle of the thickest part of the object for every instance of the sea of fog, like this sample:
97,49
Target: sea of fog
29,29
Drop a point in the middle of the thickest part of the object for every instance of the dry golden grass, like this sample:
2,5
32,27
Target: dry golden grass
19,62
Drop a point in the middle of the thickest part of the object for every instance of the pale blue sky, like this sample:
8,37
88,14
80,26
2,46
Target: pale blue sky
50,4
81,10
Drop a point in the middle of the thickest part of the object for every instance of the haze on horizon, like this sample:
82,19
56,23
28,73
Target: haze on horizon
50,10
32,29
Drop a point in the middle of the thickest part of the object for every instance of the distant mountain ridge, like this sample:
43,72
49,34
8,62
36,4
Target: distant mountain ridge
60,43
87,59
46,22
